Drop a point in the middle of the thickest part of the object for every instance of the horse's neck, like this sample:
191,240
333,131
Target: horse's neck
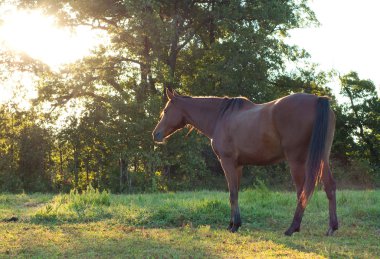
202,113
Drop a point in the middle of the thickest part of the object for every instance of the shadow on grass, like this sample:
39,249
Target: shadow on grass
99,240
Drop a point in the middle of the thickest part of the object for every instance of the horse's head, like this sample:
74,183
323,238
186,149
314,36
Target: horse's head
172,119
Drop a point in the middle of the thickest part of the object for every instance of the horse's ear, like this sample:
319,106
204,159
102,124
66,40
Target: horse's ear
175,93
169,94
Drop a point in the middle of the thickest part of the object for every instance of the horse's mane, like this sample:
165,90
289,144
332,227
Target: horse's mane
231,104
228,104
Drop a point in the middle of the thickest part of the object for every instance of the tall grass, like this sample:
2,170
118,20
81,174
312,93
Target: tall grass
89,205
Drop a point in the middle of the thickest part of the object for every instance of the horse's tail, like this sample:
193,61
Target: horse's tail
315,163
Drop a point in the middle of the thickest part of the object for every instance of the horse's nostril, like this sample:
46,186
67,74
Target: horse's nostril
157,136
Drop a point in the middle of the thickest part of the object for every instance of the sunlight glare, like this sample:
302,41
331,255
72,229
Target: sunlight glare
38,36
18,90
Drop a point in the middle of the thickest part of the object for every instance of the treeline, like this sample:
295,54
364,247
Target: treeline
103,108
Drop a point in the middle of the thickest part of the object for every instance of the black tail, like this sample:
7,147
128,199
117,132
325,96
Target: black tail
314,166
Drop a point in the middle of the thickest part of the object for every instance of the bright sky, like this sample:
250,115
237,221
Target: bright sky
38,36
348,38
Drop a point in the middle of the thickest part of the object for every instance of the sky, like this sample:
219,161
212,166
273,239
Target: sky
348,38
40,37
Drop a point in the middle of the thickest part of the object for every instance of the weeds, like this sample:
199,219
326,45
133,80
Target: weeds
88,205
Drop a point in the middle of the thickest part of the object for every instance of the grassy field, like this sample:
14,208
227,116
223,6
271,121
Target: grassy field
189,224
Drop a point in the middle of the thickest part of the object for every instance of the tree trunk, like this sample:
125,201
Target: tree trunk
212,25
87,173
172,58
123,174
61,167
144,71
76,167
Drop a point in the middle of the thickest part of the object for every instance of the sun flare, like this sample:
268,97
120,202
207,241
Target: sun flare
39,36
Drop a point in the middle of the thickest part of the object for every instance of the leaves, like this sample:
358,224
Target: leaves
363,116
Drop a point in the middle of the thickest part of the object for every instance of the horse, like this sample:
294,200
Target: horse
297,128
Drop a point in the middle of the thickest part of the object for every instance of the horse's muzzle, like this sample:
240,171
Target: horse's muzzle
158,137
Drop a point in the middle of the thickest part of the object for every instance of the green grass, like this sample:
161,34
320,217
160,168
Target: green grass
187,224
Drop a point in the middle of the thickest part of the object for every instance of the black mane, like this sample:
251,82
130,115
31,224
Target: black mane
231,104
228,104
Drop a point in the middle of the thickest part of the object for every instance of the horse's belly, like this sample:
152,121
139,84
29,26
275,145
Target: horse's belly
260,160
257,142
261,156
260,149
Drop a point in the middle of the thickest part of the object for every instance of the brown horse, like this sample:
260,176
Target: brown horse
298,128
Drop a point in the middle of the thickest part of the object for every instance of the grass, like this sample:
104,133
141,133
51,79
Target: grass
187,224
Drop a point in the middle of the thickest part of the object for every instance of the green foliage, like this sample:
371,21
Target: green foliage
89,197
261,187
25,148
89,205
33,158
361,117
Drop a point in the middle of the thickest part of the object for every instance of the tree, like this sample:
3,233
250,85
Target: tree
362,112
25,151
9,179
34,159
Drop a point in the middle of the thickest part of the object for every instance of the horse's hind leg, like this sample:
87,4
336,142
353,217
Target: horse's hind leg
233,174
328,180
298,170
330,189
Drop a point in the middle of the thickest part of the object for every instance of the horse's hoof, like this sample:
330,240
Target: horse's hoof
234,229
331,231
230,227
291,230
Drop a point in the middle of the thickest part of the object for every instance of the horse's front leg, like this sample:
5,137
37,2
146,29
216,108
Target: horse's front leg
233,174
